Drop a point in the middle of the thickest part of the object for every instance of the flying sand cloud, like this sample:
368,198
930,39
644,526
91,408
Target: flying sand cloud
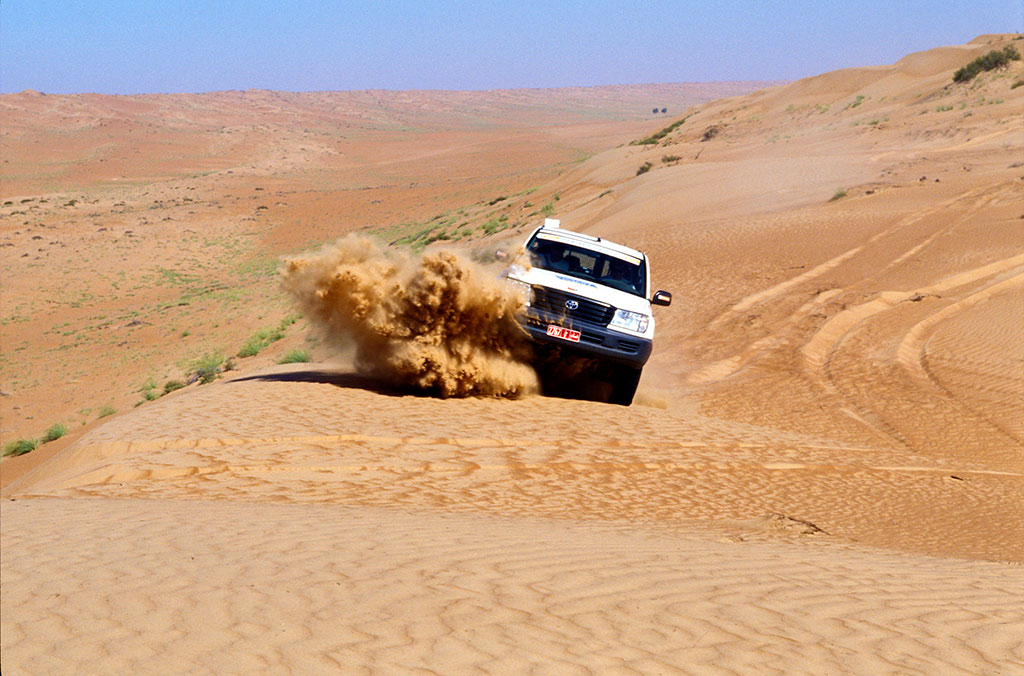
436,322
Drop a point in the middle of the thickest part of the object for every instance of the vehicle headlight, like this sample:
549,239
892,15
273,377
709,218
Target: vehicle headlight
631,321
519,289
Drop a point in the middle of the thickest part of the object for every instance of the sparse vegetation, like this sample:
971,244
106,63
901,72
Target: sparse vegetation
856,102
710,133
496,224
654,138
942,109
205,369
644,168
296,356
20,447
668,159
840,194
996,58
259,340
106,411
1016,84
265,336
55,431
172,385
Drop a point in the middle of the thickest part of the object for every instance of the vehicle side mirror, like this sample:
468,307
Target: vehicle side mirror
661,298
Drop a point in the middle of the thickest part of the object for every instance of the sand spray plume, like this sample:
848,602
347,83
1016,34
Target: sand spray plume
436,321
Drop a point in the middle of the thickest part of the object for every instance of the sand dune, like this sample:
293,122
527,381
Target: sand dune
823,472
222,587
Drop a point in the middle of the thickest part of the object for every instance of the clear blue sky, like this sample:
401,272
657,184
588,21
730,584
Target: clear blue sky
143,46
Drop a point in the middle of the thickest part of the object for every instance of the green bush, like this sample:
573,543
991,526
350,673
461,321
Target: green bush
644,168
296,356
56,431
172,385
261,339
106,411
207,367
994,59
840,194
495,224
657,136
20,447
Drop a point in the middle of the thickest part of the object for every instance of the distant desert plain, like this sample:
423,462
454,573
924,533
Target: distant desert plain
822,472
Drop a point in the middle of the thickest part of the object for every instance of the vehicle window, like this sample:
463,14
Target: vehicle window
589,265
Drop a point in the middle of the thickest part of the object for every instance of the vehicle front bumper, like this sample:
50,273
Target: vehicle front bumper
595,340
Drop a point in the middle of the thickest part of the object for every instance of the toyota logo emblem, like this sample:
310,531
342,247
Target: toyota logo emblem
571,304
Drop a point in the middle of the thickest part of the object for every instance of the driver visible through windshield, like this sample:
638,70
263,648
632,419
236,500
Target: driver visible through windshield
590,265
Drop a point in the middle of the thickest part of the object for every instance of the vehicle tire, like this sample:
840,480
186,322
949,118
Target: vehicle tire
624,382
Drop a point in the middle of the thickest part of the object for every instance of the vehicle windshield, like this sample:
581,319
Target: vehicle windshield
592,266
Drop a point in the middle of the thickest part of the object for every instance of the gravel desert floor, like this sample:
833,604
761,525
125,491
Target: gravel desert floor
822,473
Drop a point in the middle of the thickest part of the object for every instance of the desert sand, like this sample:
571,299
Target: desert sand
823,472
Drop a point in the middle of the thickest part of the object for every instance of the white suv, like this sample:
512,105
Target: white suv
589,297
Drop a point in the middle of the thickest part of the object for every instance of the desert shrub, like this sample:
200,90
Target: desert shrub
56,431
207,367
657,136
840,194
644,168
261,339
711,132
251,347
670,158
20,447
107,410
296,356
856,102
1016,84
172,385
496,224
994,59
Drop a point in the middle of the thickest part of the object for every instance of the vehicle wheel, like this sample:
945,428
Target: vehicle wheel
624,382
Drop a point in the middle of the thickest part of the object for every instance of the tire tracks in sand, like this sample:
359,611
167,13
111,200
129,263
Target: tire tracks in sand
818,350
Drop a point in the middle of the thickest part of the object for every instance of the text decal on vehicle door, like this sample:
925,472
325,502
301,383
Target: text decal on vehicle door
563,333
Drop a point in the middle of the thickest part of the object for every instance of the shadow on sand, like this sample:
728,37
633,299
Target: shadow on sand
347,380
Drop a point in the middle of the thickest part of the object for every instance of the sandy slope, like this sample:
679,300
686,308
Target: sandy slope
823,472
221,587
